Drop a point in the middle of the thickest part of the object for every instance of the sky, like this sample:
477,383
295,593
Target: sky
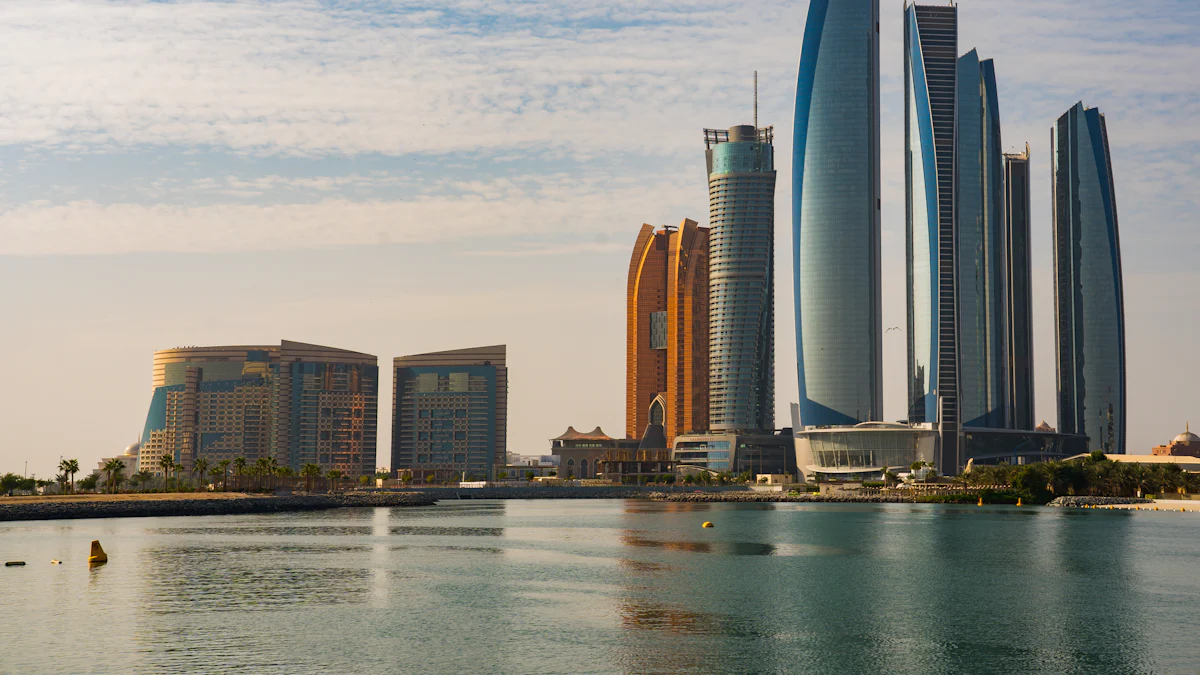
398,177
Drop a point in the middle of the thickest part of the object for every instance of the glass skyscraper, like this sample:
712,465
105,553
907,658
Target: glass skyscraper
741,198
930,88
1089,294
980,248
1020,290
835,215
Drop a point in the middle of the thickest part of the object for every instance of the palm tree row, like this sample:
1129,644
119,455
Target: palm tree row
1094,476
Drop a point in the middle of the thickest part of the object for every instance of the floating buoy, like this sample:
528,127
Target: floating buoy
1019,502
707,524
97,555
980,501
55,562
15,563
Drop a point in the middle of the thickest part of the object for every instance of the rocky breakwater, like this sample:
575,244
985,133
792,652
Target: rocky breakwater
1080,502
155,506
754,497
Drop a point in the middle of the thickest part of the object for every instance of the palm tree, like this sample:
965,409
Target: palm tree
62,482
168,465
309,472
70,467
143,478
200,467
64,468
115,469
334,476
223,465
215,473
239,467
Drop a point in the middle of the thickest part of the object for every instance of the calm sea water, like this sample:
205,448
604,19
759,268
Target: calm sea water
609,587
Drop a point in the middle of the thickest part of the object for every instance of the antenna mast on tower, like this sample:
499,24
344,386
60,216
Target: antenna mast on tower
756,102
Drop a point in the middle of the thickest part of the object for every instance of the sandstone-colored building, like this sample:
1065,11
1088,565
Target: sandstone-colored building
1186,444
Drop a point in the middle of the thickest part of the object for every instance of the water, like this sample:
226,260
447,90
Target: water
609,587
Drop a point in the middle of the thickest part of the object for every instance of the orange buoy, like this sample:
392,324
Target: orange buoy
707,524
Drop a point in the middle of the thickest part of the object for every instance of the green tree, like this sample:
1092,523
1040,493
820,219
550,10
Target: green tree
70,467
223,465
200,469
143,477
239,468
334,477
309,472
114,469
62,483
88,482
529,476
167,463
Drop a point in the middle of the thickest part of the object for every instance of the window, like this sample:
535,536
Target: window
658,330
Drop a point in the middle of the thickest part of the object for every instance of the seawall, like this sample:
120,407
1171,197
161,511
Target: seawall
133,507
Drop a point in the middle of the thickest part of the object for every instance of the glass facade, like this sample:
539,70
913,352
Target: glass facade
980,248
741,188
1089,293
446,419
835,215
1020,290
930,69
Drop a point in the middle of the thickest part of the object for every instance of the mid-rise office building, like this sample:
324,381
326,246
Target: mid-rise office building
930,91
1089,292
296,403
667,331
741,257
1020,289
836,215
981,276
450,413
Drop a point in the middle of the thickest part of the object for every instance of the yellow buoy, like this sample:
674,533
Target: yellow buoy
55,562
980,502
1019,502
97,555
707,524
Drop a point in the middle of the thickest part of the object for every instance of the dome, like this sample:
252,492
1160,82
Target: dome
1187,437
133,450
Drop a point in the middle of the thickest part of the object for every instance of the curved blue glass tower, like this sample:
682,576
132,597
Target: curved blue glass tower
1088,289
835,215
741,287
980,248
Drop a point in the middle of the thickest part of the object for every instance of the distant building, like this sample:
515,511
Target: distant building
1020,288
580,454
294,402
836,215
741,267
1088,287
1186,444
736,452
129,459
667,331
450,413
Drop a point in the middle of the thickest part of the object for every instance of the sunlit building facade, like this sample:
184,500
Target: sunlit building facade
450,413
741,191
295,403
667,331
836,215
1089,292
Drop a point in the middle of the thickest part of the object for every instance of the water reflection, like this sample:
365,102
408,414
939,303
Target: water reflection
445,531
271,530
714,547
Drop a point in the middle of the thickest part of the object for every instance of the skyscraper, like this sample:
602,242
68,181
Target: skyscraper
1089,293
296,403
835,215
667,332
1020,289
980,248
930,86
741,198
450,413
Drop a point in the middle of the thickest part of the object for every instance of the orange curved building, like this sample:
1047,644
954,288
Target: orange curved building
666,376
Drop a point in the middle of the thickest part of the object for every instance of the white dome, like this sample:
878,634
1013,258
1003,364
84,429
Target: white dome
133,450
1187,437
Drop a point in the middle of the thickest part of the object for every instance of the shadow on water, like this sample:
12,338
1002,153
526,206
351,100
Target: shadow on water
270,530
714,547
440,531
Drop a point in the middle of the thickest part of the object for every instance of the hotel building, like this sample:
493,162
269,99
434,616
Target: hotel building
1088,288
741,256
667,331
294,402
835,216
450,413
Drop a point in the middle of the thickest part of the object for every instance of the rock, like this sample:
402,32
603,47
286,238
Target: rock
1077,502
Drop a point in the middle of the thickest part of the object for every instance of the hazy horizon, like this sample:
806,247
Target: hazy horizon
396,178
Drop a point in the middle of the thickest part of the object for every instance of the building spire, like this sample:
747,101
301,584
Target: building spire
756,103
